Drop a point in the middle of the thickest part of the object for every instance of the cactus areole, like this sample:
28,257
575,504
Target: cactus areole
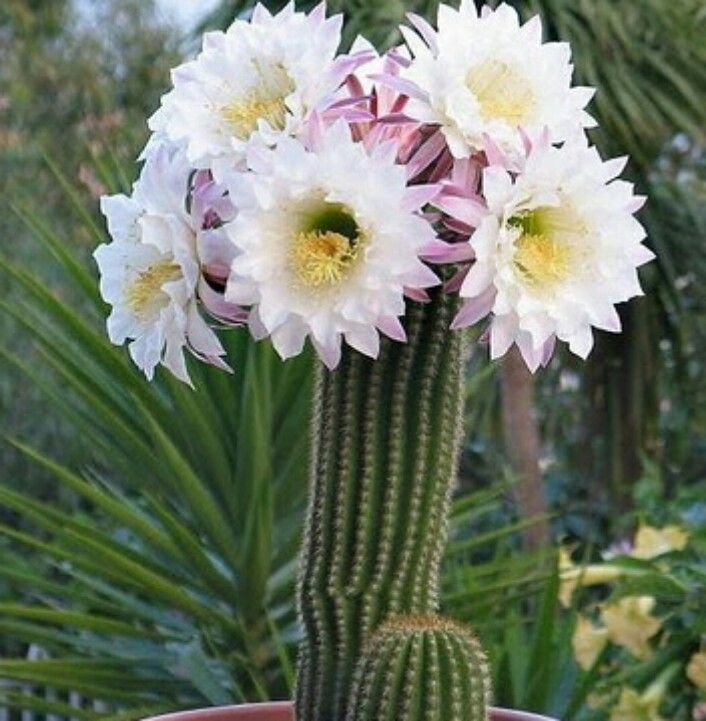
385,445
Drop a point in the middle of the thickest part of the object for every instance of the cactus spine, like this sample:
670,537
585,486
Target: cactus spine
386,437
421,668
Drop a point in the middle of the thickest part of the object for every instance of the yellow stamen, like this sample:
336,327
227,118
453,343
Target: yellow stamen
266,101
146,289
501,91
541,260
322,258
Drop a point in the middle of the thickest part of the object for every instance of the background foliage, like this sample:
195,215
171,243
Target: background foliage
148,534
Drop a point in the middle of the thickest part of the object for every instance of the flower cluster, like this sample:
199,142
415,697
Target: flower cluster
643,642
308,194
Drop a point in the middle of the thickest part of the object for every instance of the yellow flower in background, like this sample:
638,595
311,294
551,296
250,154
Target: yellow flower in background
572,576
696,670
635,707
652,542
630,623
598,700
588,642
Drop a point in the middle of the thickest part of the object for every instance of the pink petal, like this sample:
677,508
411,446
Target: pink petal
438,251
425,30
467,210
395,119
421,296
531,355
608,320
346,102
548,350
347,64
494,154
352,115
391,326
364,339
256,327
426,155
400,60
314,131
398,105
502,335
453,285
354,86
465,175
417,196
474,310
443,167
479,277
406,87
216,305
374,137
330,353
526,140
457,226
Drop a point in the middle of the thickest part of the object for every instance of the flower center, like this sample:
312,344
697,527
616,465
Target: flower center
501,92
145,294
327,247
264,101
547,251
541,260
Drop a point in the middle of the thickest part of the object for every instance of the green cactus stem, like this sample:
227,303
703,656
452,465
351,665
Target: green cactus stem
386,436
421,668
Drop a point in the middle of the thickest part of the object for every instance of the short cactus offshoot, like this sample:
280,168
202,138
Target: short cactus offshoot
421,668
386,437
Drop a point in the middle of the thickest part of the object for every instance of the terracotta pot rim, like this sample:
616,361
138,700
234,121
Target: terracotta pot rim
283,711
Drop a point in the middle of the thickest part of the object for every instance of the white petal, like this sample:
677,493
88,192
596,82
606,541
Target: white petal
364,339
288,339
474,309
329,353
503,331
479,279
581,342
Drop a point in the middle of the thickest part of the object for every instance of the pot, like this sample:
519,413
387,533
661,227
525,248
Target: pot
284,711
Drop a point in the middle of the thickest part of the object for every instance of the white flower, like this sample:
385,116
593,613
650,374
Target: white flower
557,250
150,271
487,75
259,78
327,240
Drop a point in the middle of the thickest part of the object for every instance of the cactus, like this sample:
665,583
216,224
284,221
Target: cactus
386,435
421,668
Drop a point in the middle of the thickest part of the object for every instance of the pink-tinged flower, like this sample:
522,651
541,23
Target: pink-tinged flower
151,271
376,112
556,248
258,80
486,75
322,253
